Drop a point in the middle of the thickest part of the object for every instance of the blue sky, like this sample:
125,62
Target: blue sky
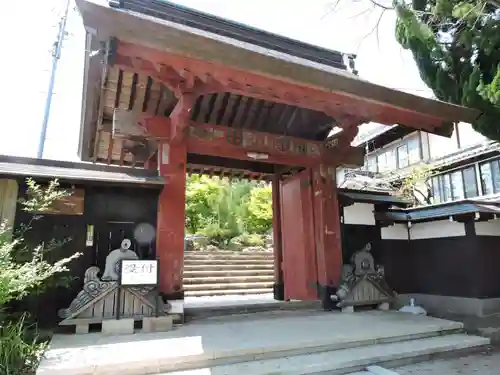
28,43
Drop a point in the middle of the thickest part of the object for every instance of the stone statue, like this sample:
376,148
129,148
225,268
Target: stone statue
97,301
111,269
363,284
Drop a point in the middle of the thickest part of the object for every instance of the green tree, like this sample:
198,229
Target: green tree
222,209
260,210
202,196
415,187
456,46
24,270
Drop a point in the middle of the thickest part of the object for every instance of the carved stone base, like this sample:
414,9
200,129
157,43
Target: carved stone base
118,327
160,324
384,306
98,301
348,309
81,329
363,284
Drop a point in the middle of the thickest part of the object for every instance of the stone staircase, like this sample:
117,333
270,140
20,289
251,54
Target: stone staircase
288,344
219,273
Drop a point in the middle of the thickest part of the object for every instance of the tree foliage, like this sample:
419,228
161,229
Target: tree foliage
25,270
415,187
223,209
456,45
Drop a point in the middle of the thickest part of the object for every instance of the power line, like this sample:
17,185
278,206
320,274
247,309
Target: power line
56,55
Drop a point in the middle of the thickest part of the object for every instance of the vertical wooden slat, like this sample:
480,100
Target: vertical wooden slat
8,201
110,149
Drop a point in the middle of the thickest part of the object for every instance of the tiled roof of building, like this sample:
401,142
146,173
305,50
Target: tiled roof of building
75,171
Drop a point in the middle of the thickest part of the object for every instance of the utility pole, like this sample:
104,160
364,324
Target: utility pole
56,55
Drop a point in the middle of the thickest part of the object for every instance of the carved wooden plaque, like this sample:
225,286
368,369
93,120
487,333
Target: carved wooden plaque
126,124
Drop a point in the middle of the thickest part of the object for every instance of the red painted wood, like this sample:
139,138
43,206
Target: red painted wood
299,257
215,140
180,116
277,239
217,77
171,216
327,226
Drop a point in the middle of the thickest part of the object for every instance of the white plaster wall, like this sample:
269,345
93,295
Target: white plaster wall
359,214
437,229
488,228
395,232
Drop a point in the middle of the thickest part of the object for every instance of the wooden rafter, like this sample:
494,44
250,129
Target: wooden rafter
242,144
218,78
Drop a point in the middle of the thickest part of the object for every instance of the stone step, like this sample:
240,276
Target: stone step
235,261
229,285
226,292
226,267
321,342
228,273
243,311
346,361
229,255
227,279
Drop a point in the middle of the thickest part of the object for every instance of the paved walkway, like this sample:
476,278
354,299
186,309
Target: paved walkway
252,337
484,364
229,300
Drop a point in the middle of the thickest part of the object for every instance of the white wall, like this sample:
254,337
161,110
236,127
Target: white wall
488,228
437,229
394,232
468,136
359,214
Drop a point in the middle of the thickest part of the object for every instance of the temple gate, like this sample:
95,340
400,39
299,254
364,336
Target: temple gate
230,106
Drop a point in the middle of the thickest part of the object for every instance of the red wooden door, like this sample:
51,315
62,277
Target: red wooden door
299,256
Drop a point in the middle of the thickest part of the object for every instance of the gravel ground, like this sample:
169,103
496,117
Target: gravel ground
487,363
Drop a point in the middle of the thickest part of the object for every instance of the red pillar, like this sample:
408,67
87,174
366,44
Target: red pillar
279,286
171,217
327,233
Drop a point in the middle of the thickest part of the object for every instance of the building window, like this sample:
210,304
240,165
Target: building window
382,162
486,180
403,160
372,164
470,182
457,186
413,151
444,180
391,161
436,190
495,174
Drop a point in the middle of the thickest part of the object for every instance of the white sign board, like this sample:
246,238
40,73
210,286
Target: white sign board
139,272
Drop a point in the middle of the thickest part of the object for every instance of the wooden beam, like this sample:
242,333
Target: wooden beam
181,115
222,78
235,143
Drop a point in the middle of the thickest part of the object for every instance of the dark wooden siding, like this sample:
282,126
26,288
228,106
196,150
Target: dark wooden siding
355,237
102,205
453,266
488,254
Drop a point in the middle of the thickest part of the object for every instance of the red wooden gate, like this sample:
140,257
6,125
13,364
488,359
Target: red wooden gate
299,256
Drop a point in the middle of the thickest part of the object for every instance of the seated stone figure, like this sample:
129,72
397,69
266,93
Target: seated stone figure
113,260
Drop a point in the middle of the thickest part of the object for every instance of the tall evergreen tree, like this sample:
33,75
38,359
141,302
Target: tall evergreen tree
456,45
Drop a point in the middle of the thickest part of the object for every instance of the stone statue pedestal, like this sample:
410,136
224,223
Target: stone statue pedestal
100,300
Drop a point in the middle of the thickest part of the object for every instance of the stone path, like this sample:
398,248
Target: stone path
487,363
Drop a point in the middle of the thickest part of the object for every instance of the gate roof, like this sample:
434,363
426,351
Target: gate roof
307,89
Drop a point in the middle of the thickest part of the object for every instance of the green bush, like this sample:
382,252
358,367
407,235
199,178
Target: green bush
20,347
249,239
24,270
222,210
